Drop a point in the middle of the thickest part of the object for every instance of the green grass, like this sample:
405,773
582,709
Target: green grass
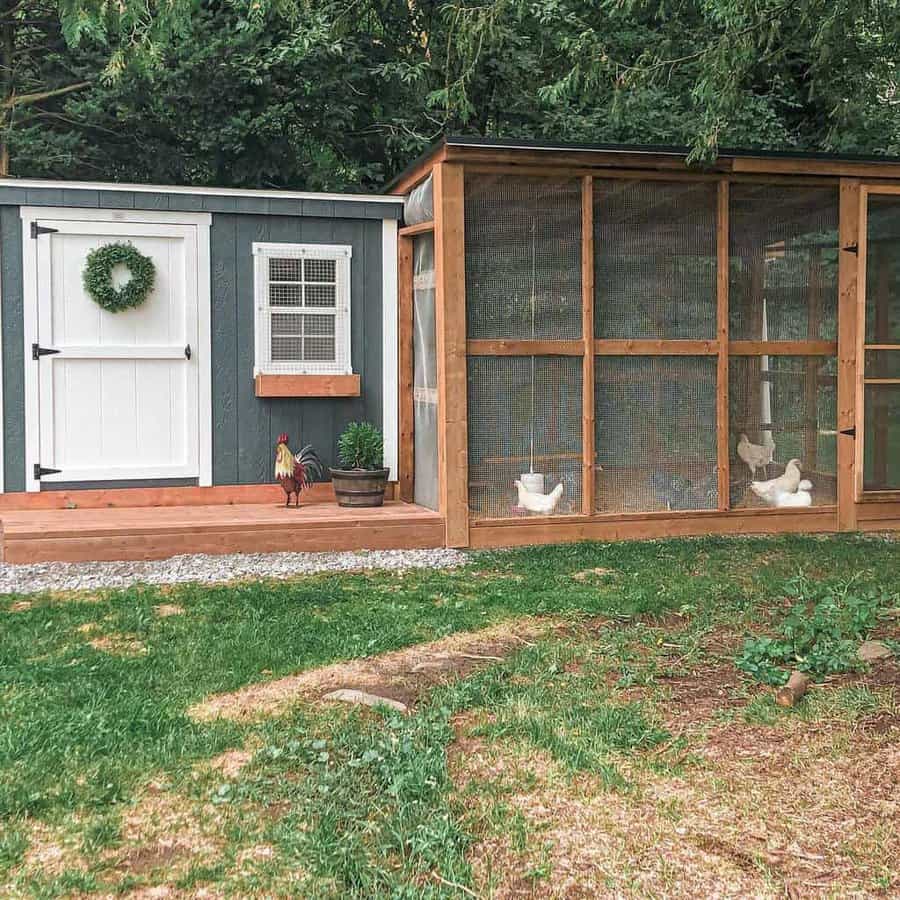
368,802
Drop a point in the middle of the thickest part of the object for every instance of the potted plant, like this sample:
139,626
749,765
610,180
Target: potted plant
362,478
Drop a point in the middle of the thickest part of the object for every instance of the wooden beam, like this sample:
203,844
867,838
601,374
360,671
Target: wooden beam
502,347
848,342
410,230
723,431
417,172
782,348
450,317
637,174
406,368
836,167
543,530
811,384
653,347
588,448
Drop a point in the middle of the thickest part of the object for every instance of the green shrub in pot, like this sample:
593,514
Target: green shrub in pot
362,478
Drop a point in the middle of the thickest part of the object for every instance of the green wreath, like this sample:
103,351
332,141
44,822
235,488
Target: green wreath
97,276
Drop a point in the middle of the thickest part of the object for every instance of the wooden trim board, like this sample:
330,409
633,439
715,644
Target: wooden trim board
307,385
137,498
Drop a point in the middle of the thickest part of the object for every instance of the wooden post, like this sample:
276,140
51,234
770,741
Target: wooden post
848,319
450,324
406,367
723,437
811,384
587,333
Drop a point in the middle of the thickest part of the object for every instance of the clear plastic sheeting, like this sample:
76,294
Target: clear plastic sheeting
418,204
655,260
783,283
425,395
786,405
655,427
524,417
523,257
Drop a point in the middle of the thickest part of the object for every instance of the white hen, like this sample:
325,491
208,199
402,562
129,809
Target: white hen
786,483
756,456
800,498
539,503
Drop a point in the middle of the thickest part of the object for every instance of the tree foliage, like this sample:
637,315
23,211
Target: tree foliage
327,94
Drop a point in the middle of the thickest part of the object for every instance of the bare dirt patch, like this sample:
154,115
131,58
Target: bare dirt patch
118,645
20,606
695,697
230,762
164,610
589,574
401,675
798,809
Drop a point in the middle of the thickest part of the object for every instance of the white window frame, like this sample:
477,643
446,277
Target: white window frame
341,254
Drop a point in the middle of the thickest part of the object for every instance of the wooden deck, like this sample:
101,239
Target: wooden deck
122,533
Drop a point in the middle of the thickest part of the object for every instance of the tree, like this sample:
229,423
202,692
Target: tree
333,94
812,74
37,37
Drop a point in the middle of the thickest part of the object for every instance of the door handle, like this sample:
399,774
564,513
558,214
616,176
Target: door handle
187,351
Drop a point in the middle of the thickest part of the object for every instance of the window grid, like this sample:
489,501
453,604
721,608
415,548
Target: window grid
302,309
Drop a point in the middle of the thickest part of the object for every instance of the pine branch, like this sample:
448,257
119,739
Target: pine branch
38,96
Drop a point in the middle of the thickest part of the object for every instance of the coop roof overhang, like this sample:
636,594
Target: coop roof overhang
561,154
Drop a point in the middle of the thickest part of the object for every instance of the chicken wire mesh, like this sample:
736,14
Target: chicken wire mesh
655,260
524,415
782,408
784,263
523,257
425,396
881,447
655,425
883,270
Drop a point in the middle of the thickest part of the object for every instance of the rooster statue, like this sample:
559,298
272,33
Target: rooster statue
294,471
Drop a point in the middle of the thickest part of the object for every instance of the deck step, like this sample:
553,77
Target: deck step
77,535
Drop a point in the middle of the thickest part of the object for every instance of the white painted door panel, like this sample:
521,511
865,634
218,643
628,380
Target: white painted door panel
119,399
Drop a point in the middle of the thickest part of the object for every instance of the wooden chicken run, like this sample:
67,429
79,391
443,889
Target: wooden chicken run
602,342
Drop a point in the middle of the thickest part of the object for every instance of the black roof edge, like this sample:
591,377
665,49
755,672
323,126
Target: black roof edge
657,149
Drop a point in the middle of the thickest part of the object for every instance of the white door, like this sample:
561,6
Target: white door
119,398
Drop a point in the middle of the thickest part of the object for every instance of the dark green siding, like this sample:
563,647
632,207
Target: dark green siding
244,426
13,353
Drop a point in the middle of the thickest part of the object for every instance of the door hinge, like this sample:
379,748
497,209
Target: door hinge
38,230
187,351
850,432
37,351
853,248
39,470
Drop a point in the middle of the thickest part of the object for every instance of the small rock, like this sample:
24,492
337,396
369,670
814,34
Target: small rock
871,651
346,695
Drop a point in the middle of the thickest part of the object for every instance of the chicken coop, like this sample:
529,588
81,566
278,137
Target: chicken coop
602,342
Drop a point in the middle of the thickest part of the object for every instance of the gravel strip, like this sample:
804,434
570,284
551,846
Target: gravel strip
27,579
